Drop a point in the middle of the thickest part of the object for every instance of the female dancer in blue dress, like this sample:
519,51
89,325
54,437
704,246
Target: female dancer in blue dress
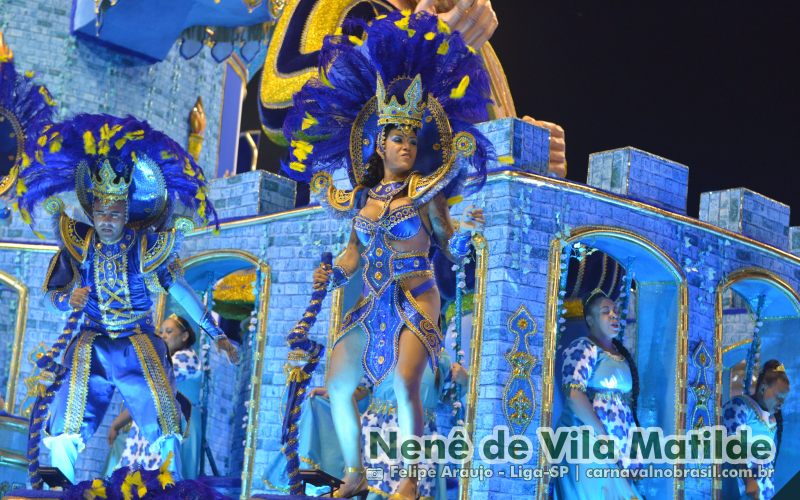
417,154
762,413
601,387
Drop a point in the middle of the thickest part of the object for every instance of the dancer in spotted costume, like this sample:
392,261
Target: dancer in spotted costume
762,413
599,380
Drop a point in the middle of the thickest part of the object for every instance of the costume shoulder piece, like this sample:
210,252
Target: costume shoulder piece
75,236
156,248
339,201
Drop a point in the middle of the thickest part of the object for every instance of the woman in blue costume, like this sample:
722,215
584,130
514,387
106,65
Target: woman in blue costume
405,162
601,387
762,413
382,413
377,406
133,452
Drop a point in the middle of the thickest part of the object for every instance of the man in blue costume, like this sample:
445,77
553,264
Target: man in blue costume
127,178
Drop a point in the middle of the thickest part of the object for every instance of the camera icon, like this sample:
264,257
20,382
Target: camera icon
374,474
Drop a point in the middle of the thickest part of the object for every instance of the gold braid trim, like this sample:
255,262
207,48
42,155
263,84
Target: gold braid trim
75,244
155,254
158,383
79,382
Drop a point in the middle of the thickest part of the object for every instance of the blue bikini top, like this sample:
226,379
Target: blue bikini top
400,223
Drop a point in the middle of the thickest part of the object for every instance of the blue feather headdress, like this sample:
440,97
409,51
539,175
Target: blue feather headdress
25,109
334,122
90,152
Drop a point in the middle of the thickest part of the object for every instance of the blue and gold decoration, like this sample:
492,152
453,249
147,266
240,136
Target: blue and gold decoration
519,393
74,155
25,109
701,387
304,356
106,158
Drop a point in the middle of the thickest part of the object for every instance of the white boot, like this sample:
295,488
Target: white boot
64,451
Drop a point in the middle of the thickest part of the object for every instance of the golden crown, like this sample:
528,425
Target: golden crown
392,112
177,319
108,186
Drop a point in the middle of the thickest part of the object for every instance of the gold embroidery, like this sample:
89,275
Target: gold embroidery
153,284
79,382
113,292
158,253
75,244
158,383
427,331
386,407
339,199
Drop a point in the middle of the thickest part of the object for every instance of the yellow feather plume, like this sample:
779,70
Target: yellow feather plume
133,480
458,92
89,145
164,475
308,121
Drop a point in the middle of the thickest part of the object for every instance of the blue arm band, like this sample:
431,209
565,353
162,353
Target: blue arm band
338,279
459,244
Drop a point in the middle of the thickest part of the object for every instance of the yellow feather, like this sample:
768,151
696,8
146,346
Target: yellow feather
355,40
458,92
89,146
430,36
55,144
297,166
323,77
443,48
443,27
506,160
302,149
308,122
47,98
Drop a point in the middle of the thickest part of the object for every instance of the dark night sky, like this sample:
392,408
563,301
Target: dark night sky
711,85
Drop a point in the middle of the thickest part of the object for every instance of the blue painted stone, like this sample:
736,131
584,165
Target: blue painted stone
519,145
794,240
748,213
642,176
252,193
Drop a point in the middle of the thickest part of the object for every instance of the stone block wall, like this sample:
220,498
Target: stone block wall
642,176
252,193
748,213
523,144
